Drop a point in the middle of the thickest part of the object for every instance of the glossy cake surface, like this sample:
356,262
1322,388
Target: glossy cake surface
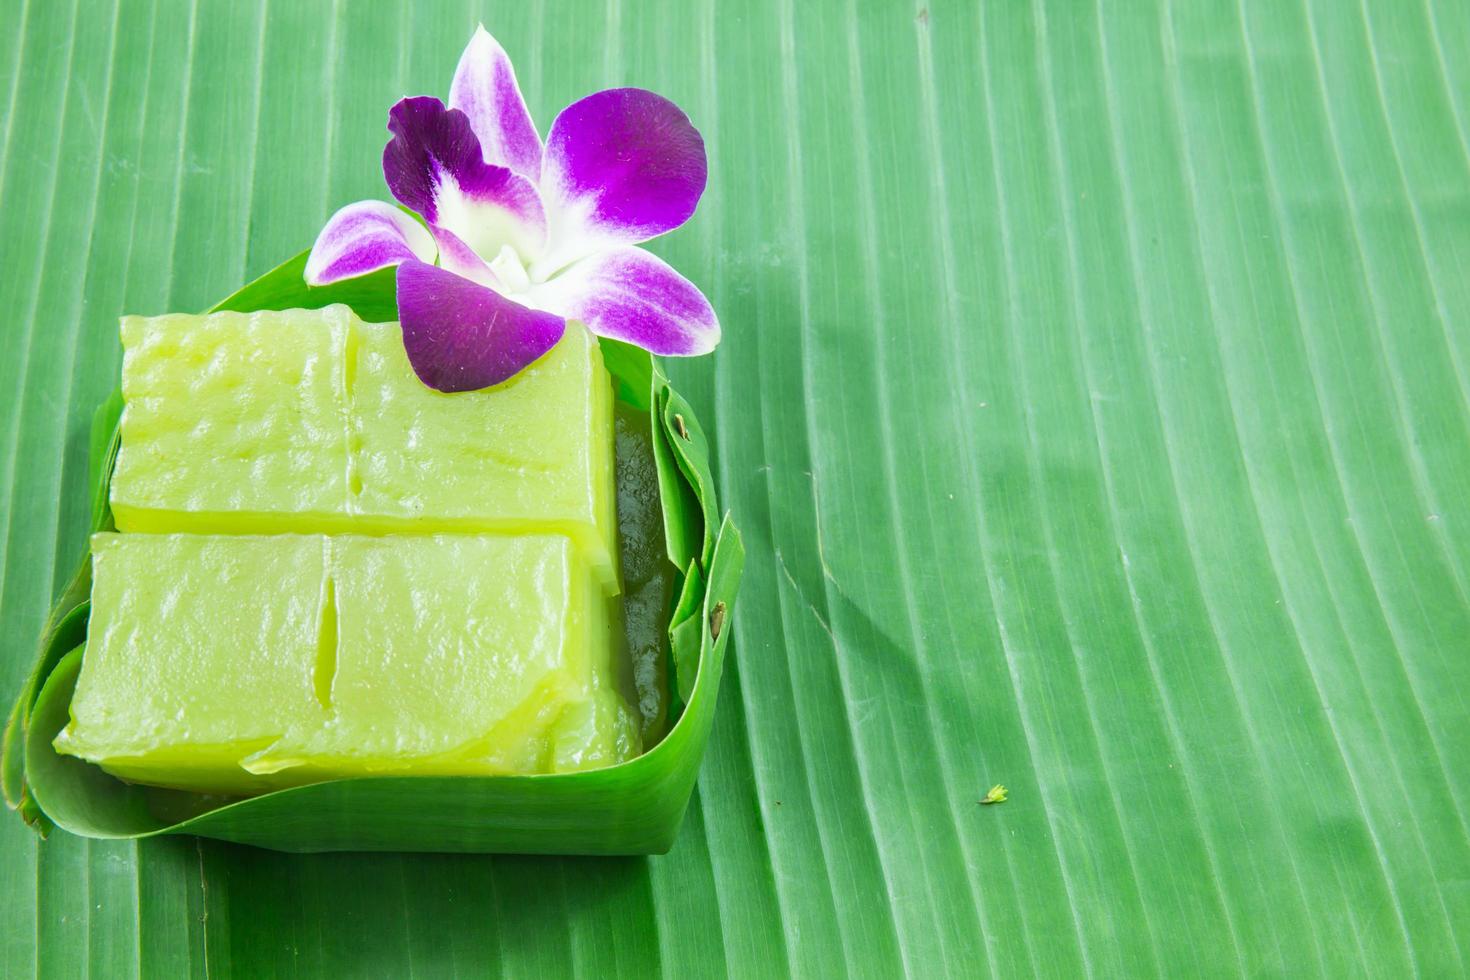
231,664
311,421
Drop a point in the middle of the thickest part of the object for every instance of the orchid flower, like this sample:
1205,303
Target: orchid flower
518,237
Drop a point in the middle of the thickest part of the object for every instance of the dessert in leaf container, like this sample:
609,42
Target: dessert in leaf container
409,544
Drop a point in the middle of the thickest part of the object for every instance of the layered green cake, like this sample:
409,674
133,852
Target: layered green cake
311,421
325,569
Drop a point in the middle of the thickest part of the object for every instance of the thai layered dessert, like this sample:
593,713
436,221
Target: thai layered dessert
323,568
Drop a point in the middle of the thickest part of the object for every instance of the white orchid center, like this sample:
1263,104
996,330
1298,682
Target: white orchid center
510,270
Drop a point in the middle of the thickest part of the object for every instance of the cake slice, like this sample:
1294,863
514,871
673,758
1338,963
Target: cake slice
311,421
233,423
201,651
460,654
234,664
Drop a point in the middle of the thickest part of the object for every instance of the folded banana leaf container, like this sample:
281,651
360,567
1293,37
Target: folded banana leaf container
633,808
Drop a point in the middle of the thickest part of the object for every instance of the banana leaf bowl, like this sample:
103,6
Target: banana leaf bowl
632,808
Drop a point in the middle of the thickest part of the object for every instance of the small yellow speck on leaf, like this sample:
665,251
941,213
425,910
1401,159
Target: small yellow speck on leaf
997,794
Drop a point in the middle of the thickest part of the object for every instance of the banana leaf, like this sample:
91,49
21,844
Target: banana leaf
1093,400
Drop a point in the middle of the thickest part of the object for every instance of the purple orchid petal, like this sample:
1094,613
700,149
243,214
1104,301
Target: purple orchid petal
621,166
461,336
363,238
485,90
634,296
433,165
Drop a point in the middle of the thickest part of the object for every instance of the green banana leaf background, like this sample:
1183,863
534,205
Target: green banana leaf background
1094,401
